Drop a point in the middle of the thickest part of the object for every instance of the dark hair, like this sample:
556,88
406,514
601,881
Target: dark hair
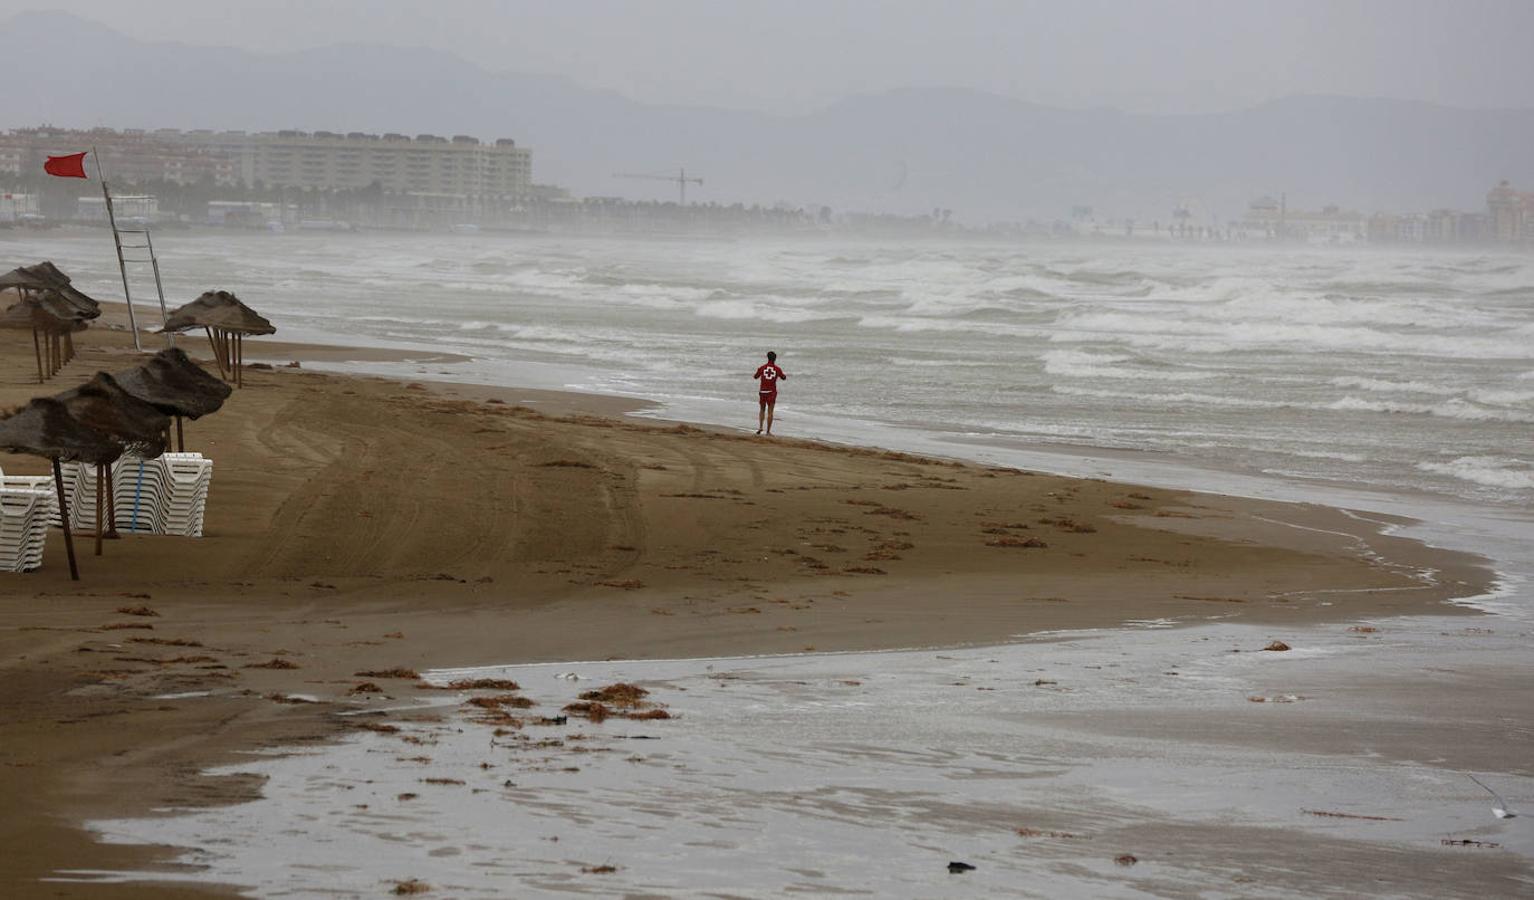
772,357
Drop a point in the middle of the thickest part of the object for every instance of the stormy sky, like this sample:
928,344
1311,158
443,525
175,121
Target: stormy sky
791,56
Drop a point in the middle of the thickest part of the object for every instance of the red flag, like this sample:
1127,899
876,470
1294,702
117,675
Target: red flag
71,166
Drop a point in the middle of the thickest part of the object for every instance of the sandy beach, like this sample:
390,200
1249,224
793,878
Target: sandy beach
362,525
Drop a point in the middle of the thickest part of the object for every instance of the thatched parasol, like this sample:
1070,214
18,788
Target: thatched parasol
44,276
102,405
45,428
176,386
46,279
227,321
46,313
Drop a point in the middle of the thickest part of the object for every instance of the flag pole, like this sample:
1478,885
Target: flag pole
122,266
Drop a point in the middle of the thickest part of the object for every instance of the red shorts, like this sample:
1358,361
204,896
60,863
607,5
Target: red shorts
767,398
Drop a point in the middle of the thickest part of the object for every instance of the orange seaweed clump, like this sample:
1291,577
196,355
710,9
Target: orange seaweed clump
396,672
512,700
596,712
1009,541
648,715
483,684
620,694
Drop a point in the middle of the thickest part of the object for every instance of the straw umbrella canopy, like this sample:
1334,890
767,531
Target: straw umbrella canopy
219,309
227,321
173,384
102,405
87,306
45,312
45,428
47,276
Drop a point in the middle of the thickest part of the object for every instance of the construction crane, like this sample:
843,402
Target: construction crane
680,179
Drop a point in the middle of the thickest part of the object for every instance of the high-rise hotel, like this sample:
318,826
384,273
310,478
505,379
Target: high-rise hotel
426,164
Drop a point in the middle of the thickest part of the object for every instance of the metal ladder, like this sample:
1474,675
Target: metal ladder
126,257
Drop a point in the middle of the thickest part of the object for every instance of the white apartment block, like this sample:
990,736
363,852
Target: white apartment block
399,164
460,166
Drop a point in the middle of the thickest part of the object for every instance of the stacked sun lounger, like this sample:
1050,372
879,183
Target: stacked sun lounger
167,495
28,505
23,524
185,493
80,491
138,489
26,481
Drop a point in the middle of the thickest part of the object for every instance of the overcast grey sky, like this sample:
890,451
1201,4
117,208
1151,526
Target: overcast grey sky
793,55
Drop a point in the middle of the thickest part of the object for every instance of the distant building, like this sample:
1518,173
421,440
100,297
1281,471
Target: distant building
1270,218
17,207
1442,226
425,164
1447,226
128,208
1511,213
243,213
460,166
131,157
1411,229
1474,228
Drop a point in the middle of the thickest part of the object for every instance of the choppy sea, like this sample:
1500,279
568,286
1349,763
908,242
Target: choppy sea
1396,369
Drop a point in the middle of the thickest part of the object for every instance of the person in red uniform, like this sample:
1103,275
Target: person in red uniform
767,393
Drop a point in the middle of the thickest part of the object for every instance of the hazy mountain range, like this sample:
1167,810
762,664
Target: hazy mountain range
984,156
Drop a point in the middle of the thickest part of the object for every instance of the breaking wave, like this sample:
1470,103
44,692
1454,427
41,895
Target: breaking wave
1488,471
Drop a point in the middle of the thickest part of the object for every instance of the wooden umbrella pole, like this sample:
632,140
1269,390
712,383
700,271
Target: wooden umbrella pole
69,346
180,437
214,344
37,347
112,534
239,359
101,483
69,541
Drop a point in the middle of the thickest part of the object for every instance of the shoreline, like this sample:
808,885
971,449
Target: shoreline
275,599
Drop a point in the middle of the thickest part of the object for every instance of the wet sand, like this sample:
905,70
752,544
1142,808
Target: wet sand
1217,768
360,524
